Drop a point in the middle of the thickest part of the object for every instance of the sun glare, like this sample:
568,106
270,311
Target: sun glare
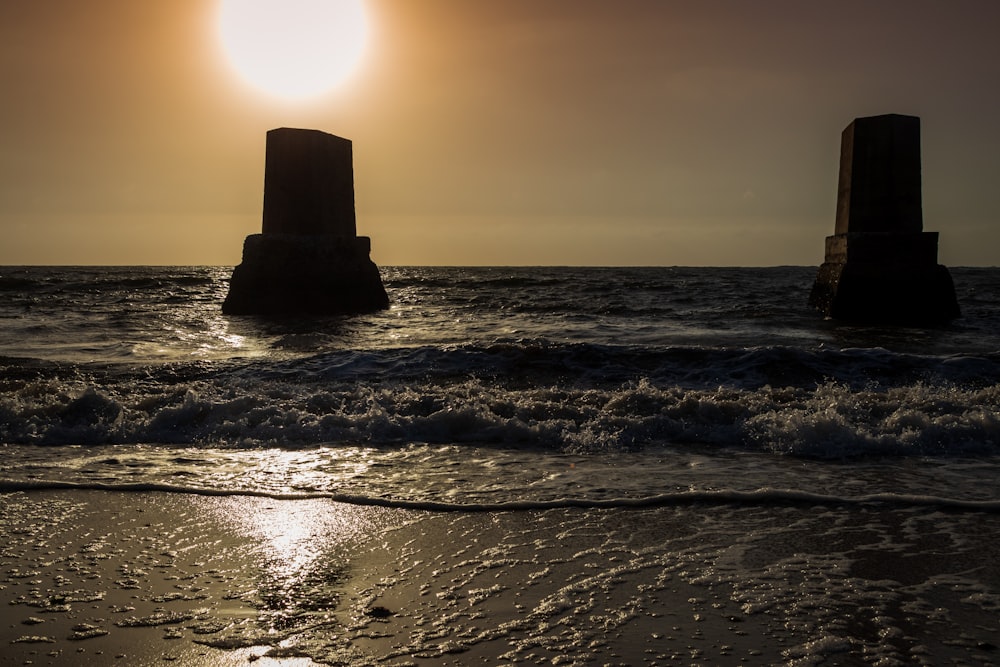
294,49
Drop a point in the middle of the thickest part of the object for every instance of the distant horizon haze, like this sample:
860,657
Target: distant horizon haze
564,133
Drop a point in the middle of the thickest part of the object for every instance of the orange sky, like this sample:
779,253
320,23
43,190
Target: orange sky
647,132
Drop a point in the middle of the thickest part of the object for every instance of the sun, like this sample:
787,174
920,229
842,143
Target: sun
293,49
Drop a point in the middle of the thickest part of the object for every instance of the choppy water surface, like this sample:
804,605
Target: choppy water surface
584,361
538,465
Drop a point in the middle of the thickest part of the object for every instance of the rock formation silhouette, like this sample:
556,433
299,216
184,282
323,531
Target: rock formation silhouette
308,258
880,266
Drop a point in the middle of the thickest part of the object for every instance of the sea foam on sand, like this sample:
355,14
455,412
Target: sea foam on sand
96,578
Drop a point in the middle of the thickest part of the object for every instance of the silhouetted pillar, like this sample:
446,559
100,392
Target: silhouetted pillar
879,189
308,258
308,183
880,265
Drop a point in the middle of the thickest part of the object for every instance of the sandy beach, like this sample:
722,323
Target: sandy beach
105,578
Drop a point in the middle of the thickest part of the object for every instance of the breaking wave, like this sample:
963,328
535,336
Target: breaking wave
571,398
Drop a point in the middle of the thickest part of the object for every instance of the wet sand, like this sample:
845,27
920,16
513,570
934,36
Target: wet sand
109,578
92,578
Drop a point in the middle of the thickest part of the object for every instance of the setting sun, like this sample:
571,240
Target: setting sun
294,48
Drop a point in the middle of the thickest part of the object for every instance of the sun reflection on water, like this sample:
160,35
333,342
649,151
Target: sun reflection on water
319,469
218,337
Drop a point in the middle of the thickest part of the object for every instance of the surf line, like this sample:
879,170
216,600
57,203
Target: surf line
761,497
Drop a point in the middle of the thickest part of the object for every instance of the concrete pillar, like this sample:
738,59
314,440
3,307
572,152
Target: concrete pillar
308,258
880,265
879,187
308,183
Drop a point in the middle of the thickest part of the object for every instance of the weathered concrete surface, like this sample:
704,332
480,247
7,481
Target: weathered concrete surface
880,265
879,189
309,259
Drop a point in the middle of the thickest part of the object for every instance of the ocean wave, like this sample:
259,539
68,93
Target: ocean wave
572,398
766,497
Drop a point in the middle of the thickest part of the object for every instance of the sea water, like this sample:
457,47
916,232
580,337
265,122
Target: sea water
575,393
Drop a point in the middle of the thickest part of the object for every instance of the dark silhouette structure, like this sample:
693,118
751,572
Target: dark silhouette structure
308,258
880,266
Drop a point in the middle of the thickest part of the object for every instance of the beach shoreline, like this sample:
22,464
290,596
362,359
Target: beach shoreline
103,578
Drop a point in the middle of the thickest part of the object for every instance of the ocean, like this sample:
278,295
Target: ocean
593,465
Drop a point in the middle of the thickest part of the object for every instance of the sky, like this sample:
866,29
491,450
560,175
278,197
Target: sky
522,132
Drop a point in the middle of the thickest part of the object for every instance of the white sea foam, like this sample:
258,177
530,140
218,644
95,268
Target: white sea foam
830,420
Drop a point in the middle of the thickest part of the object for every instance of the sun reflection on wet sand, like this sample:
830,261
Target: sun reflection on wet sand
300,550
293,536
